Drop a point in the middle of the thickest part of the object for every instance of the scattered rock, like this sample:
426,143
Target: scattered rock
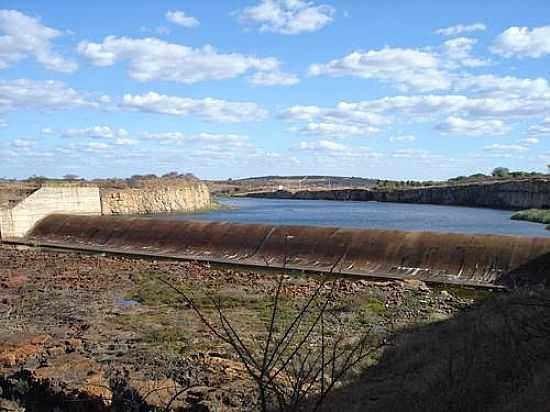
10,406
446,295
415,284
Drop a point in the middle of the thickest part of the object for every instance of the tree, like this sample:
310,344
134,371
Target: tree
71,177
299,359
500,172
171,175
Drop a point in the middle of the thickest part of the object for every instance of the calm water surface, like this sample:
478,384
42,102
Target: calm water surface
375,215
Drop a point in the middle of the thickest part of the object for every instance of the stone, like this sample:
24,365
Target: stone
10,406
187,197
446,295
415,284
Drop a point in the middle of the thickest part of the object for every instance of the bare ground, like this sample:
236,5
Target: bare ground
88,333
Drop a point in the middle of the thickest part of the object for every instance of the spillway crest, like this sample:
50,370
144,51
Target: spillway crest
442,257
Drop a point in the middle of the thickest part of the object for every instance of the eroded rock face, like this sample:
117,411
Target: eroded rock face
513,194
520,194
183,198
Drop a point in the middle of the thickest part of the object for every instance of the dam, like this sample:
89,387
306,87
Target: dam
465,259
85,219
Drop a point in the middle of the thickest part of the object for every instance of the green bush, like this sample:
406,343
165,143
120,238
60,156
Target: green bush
533,215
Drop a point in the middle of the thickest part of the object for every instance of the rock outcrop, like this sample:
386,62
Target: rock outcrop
520,194
165,199
512,194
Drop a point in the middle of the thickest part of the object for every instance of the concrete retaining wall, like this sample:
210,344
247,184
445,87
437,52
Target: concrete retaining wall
17,221
442,257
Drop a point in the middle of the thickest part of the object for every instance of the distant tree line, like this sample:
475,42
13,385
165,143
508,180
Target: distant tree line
497,173
132,181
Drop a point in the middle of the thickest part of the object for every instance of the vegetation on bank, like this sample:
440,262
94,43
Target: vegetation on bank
534,215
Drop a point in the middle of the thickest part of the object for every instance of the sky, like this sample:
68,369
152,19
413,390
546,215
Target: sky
400,89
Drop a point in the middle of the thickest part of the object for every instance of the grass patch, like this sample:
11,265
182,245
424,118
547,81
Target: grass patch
533,215
465,293
159,330
151,291
376,307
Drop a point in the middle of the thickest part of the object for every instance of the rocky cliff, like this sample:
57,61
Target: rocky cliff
339,194
520,194
512,194
187,197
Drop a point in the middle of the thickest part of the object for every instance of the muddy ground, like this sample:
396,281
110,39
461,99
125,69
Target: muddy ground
87,333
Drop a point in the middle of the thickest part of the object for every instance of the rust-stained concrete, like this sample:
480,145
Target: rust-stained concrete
441,257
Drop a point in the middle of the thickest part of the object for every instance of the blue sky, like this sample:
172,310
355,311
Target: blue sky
400,89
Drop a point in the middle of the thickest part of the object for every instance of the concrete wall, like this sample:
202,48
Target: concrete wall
17,221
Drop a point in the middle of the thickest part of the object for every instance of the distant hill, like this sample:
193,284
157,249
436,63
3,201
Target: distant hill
262,183
316,182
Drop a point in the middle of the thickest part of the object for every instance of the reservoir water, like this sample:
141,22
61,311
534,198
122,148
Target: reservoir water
373,215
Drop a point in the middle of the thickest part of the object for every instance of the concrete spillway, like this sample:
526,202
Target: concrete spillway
440,257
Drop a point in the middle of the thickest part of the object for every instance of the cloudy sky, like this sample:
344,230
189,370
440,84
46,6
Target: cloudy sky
394,89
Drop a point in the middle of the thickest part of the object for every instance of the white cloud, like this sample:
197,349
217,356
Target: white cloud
403,139
40,94
178,17
288,16
96,147
541,129
505,148
523,42
336,129
22,143
415,154
461,28
328,148
528,141
24,36
275,78
305,113
154,59
460,126
459,51
406,68
322,145
96,132
346,119
207,108
423,107
505,87
232,140
124,141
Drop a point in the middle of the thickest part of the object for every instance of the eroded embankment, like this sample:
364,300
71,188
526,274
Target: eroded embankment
441,257
511,194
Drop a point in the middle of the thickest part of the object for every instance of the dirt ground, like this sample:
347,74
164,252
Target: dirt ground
85,333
